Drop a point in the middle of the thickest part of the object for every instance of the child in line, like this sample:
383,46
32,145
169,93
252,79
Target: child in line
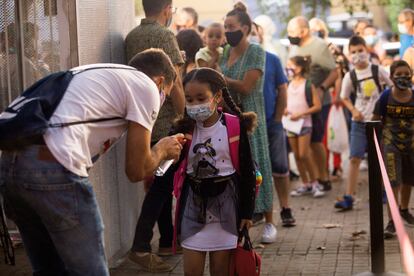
210,55
363,84
298,107
396,109
216,180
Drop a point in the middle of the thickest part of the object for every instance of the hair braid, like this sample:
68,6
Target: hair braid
230,102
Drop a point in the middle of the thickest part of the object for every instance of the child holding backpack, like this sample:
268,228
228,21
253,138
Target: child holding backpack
361,88
302,102
396,109
216,180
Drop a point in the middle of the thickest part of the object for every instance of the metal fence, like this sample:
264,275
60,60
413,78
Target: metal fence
30,44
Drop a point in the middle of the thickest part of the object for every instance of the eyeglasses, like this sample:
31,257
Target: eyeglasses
5,240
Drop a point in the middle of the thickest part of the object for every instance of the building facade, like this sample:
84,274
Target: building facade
42,36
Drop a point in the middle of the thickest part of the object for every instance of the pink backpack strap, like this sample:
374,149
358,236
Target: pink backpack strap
179,178
233,132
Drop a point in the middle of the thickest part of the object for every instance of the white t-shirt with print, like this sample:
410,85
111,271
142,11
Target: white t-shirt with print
209,152
96,94
367,96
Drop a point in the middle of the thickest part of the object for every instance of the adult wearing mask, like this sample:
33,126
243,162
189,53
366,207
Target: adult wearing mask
154,33
243,65
318,28
270,44
323,75
275,95
374,44
45,186
406,29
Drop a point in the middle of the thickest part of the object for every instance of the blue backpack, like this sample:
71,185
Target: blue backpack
26,119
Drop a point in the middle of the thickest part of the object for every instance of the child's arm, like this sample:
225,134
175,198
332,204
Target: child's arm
356,114
345,93
212,63
317,106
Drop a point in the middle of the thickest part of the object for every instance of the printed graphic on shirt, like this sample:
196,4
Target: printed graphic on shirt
204,164
399,127
368,88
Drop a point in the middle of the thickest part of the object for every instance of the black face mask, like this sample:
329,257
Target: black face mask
234,38
294,40
320,34
403,83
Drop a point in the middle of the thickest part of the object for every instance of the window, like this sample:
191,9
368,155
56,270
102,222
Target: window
34,41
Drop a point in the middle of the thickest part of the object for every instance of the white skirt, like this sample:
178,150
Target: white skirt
211,238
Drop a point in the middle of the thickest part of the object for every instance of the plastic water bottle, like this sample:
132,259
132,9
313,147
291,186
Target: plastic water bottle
163,167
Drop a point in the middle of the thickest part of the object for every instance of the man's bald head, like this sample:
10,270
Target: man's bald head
299,22
298,27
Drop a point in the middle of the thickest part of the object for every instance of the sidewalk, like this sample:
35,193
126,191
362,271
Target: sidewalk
307,249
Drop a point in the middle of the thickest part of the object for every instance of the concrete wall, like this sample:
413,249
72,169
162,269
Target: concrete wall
102,27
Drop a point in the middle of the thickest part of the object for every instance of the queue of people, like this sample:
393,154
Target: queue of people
219,102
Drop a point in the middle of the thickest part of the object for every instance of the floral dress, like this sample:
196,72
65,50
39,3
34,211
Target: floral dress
254,59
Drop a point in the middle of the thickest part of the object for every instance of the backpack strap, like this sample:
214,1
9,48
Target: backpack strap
383,101
308,93
233,133
354,80
375,76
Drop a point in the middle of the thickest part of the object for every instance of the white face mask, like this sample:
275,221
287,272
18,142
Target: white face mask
200,112
402,29
359,58
254,39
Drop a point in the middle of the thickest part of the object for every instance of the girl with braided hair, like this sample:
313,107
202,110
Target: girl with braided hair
216,180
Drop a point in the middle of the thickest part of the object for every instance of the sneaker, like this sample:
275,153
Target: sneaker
168,251
346,203
317,190
257,218
269,233
364,165
287,218
302,190
389,231
150,262
326,185
408,217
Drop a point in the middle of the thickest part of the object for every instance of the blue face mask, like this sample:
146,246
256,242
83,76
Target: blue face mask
200,112
371,40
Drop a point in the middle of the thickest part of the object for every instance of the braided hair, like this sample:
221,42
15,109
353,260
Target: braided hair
217,83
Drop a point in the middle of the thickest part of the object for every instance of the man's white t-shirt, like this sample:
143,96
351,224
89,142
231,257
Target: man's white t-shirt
367,96
96,94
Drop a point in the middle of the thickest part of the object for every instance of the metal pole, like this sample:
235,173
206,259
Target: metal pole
375,201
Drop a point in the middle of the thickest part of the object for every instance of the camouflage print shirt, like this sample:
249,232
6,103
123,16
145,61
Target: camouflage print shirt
151,34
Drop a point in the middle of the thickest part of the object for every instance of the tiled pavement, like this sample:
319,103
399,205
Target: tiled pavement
307,249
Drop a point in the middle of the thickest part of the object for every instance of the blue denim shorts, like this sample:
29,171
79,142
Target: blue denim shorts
277,148
358,145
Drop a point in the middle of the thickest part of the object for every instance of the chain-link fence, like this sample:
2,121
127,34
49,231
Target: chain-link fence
29,44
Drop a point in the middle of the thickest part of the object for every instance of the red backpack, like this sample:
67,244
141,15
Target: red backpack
244,260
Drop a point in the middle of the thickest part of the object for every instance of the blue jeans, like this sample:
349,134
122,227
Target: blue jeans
56,212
